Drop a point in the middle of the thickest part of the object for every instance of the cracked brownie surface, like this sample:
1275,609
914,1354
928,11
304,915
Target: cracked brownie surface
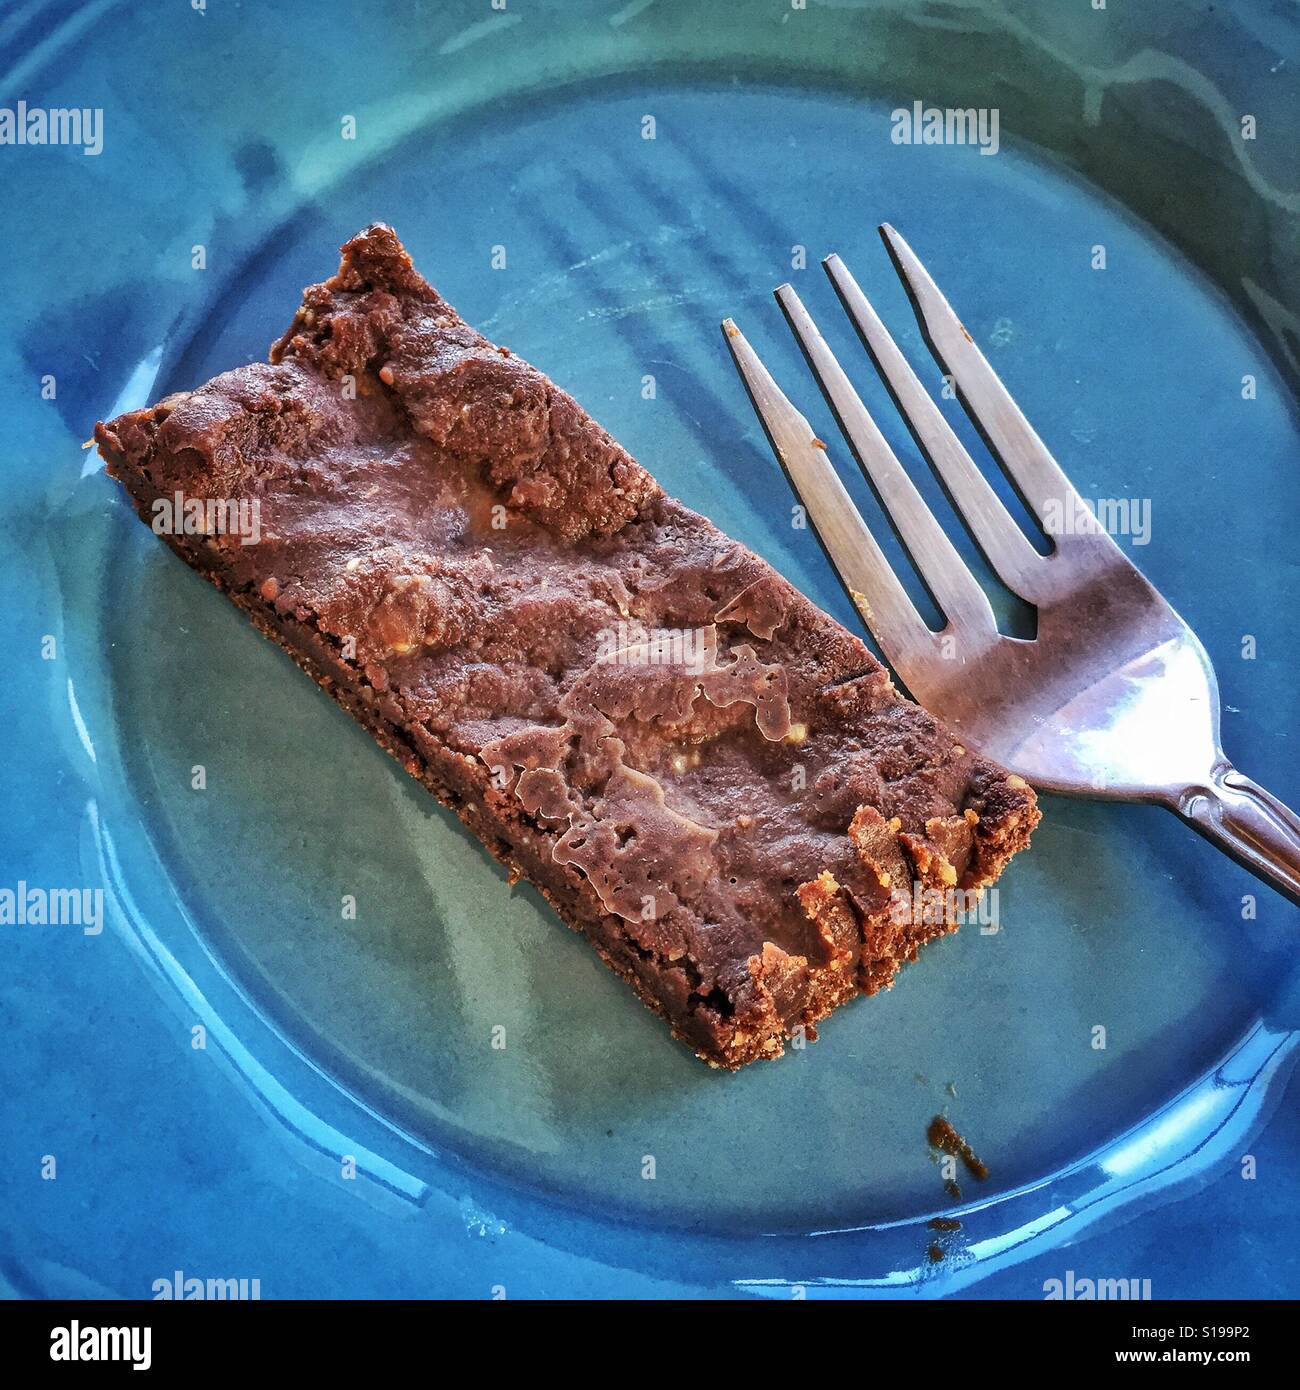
709,777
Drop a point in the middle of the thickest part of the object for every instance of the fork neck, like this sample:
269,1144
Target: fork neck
1249,823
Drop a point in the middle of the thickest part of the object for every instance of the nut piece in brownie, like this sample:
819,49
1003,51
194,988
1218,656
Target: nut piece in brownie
707,776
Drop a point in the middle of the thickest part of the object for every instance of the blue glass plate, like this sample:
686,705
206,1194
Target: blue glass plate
233,1079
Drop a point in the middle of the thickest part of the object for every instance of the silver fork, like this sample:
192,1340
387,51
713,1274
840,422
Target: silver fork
1115,697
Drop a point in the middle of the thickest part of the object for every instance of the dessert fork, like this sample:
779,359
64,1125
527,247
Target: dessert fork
1115,696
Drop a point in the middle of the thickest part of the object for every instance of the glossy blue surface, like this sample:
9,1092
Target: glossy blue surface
370,1040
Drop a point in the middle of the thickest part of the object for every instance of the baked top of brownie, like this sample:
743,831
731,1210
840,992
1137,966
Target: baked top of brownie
729,770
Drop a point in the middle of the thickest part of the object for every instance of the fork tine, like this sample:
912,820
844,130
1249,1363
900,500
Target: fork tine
1037,475
955,589
873,585
1021,568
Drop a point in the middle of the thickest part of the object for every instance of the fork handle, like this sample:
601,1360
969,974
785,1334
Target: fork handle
1249,823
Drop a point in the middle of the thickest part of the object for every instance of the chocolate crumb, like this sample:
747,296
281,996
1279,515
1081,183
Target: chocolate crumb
944,1223
943,1137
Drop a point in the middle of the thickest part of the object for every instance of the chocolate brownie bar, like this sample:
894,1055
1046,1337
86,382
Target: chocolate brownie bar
706,775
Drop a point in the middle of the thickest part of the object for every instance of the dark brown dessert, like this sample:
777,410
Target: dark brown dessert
707,776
